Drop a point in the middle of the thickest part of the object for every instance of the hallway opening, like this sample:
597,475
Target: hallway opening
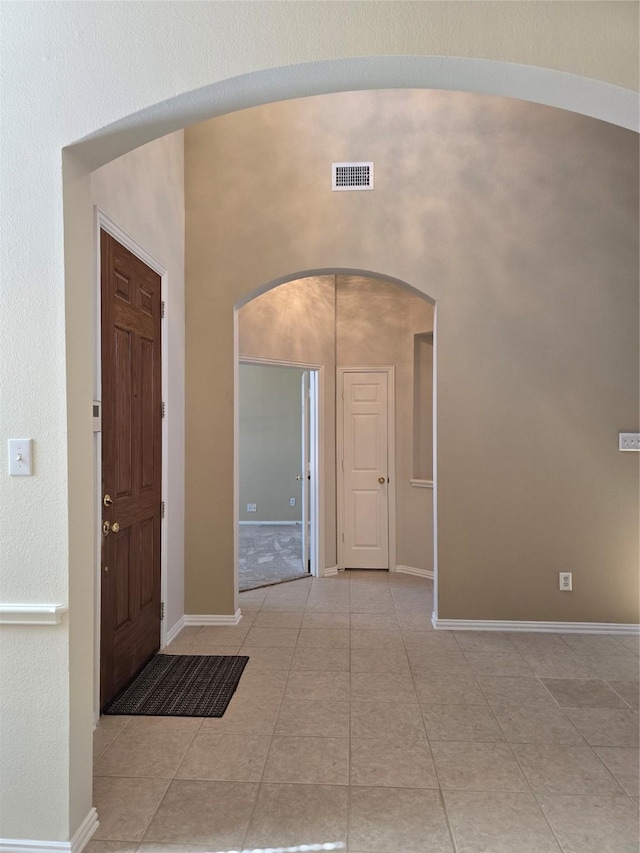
277,438
376,478
398,268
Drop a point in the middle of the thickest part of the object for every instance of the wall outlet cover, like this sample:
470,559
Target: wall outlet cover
566,582
629,441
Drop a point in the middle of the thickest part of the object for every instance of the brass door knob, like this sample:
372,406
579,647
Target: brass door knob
115,527
381,480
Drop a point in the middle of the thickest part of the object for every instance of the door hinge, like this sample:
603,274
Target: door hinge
162,309
343,537
164,409
162,509
161,611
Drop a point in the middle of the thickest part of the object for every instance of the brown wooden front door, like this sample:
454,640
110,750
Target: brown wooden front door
131,466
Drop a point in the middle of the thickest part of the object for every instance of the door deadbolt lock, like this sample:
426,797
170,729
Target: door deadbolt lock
107,500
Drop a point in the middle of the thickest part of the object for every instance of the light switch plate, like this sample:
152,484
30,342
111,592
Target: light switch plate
20,457
629,441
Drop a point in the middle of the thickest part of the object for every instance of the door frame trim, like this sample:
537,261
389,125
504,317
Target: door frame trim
390,370
316,457
104,223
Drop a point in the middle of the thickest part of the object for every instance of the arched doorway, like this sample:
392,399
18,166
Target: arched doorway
75,285
355,324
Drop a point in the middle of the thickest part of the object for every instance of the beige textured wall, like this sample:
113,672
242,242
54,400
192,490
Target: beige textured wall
521,222
143,193
270,439
375,325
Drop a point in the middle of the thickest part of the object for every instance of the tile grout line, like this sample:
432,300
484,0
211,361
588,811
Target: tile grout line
585,744
171,780
441,797
533,792
630,655
168,779
259,784
273,734
526,778
110,744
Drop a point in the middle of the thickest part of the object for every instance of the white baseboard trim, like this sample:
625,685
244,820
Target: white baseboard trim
546,627
211,619
267,523
328,572
420,573
172,633
76,845
84,832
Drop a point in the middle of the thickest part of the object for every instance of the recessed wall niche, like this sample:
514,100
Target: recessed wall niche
423,406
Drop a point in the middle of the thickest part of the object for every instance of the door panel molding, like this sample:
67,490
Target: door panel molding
103,222
341,372
131,578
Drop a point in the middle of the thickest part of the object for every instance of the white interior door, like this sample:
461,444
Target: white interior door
305,469
365,462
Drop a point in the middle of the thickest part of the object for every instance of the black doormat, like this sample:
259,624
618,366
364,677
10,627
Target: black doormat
181,686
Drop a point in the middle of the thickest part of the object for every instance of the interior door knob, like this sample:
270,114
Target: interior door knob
115,527
381,480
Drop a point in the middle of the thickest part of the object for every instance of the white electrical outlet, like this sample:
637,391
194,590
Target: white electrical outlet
292,501
252,507
566,582
629,441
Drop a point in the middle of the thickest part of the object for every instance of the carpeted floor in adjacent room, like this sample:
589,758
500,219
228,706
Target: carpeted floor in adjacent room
269,553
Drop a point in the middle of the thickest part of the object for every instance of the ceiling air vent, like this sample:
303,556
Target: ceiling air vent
352,176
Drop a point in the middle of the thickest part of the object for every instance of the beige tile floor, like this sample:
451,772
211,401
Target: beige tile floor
356,727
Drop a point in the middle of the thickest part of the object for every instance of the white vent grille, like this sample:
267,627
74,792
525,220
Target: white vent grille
352,176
